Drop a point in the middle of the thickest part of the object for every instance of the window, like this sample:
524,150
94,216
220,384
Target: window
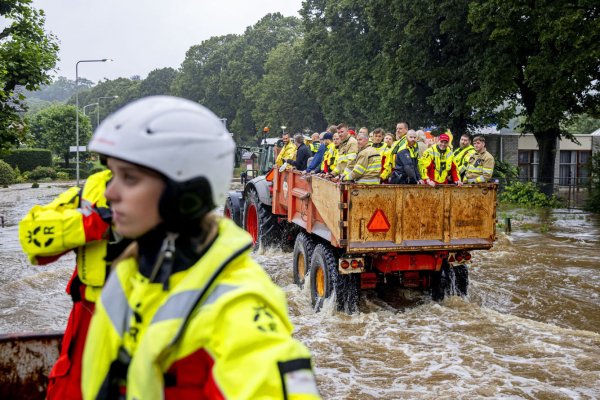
574,168
528,165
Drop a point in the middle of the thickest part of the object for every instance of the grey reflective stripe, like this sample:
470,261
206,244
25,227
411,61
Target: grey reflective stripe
177,306
116,305
180,305
218,292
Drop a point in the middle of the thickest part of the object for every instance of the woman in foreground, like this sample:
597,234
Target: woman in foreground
187,313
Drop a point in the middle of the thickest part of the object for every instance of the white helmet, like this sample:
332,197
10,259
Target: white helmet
176,137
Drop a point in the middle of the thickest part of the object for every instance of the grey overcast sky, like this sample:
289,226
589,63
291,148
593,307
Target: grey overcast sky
142,35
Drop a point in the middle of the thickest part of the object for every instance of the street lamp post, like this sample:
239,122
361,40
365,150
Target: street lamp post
77,109
89,105
283,127
98,109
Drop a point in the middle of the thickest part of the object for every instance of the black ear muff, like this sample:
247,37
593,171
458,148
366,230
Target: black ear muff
182,205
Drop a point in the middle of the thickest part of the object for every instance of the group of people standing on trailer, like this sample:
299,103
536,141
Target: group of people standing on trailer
375,157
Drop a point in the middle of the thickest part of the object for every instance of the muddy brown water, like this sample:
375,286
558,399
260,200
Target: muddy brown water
529,329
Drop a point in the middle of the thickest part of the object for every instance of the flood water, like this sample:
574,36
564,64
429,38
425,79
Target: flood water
529,329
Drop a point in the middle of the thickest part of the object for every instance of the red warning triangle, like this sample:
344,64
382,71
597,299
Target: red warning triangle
378,222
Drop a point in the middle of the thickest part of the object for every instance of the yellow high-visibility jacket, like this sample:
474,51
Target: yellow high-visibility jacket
72,221
329,157
480,168
219,330
461,159
390,159
346,156
366,168
437,165
288,152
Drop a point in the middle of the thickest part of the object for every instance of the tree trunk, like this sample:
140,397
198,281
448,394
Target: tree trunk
67,155
546,141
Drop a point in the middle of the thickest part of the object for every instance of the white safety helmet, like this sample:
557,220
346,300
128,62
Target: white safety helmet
178,138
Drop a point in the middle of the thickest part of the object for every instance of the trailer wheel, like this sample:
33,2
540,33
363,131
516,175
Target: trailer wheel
459,276
325,281
440,282
303,250
259,221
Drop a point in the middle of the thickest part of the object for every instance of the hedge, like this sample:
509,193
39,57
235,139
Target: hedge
28,159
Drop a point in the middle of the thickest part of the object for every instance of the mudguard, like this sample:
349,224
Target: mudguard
261,185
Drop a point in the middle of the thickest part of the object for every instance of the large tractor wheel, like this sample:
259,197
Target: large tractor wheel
303,250
326,281
259,221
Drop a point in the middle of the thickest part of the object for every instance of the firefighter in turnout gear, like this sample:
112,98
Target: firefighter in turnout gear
346,152
437,165
367,165
481,163
463,154
78,219
186,313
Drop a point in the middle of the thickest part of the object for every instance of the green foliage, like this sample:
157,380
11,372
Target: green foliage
42,172
60,90
126,90
27,54
158,82
72,172
28,159
55,128
35,185
505,172
593,202
528,195
7,174
279,96
62,176
222,72
581,124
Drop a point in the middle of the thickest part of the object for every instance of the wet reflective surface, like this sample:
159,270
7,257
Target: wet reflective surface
530,327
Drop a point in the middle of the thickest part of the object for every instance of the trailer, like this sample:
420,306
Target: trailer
349,237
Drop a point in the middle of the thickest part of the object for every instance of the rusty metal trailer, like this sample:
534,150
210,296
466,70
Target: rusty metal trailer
349,237
25,362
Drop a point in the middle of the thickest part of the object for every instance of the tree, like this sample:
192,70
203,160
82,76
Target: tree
61,89
279,96
158,82
54,128
221,73
27,54
581,125
343,50
126,89
544,56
